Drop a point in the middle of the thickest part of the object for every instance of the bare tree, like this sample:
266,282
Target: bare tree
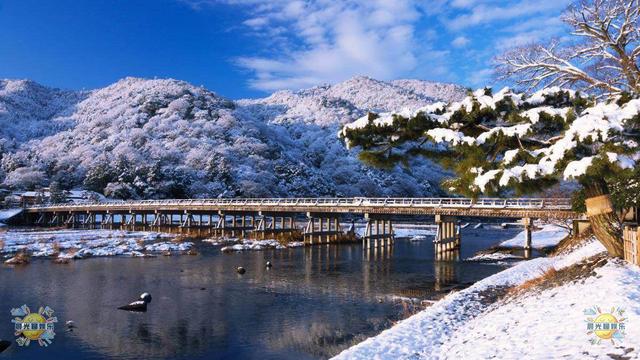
602,59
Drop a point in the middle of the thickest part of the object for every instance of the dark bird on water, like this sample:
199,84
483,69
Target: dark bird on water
138,305
70,325
241,270
4,344
269,265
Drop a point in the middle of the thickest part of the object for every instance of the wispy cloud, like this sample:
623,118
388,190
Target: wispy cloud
460,41
488,12
329,41
480,78
311,42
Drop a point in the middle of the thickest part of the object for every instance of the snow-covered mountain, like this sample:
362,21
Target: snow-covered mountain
143,138
29,110
341,103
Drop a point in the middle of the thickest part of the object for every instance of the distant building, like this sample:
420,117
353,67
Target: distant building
43,196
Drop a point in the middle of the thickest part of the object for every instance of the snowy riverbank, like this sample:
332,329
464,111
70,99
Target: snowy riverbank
6,214
548,236
543,323
235,244
76,244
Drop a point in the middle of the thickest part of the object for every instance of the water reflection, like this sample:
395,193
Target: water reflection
445,268
313,303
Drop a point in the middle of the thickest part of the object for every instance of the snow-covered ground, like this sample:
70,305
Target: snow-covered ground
552,323
493,257
84,243
6,214
235,244
546,324
412,231
549,235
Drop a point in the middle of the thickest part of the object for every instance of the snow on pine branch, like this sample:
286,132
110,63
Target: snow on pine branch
554,133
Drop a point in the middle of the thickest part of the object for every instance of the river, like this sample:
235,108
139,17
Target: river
313,303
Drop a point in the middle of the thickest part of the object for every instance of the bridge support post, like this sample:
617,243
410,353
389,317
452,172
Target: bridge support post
188,220
528,224
328,225
89,220
448,236
378,228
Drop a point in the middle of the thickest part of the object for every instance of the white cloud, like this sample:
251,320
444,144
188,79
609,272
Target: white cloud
306,43
460,41
256,22
480,78
335,40
530,31
483,13
463,3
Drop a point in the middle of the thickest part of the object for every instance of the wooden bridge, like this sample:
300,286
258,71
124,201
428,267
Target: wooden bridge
273,215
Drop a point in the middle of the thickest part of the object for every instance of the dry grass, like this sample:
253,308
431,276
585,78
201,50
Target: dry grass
56,247
410,308
20,258
545,275
570,242
180,238
286,238
60,260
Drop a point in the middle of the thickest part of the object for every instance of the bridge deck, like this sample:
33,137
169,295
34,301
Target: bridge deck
558,208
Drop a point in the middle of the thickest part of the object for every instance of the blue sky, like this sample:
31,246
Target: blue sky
248,48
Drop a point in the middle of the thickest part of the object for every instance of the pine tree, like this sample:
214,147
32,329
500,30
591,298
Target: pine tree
56,193
504,143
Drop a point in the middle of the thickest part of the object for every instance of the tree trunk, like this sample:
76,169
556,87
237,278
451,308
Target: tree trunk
603,218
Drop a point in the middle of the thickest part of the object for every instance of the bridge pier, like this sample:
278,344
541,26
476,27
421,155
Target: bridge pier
528,225
238,222
273,223
379,231
186,220
70,220
448,235
328,227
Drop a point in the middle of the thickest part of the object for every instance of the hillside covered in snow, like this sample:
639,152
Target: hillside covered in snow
537,309
166,138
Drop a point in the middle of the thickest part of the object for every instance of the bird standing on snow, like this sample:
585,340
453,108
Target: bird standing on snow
138,305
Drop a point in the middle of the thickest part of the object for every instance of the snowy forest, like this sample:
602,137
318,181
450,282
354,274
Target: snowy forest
164,138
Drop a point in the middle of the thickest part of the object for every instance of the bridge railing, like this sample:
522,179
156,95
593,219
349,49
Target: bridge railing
491,203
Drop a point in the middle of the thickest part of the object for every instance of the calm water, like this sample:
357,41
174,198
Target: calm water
313,303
